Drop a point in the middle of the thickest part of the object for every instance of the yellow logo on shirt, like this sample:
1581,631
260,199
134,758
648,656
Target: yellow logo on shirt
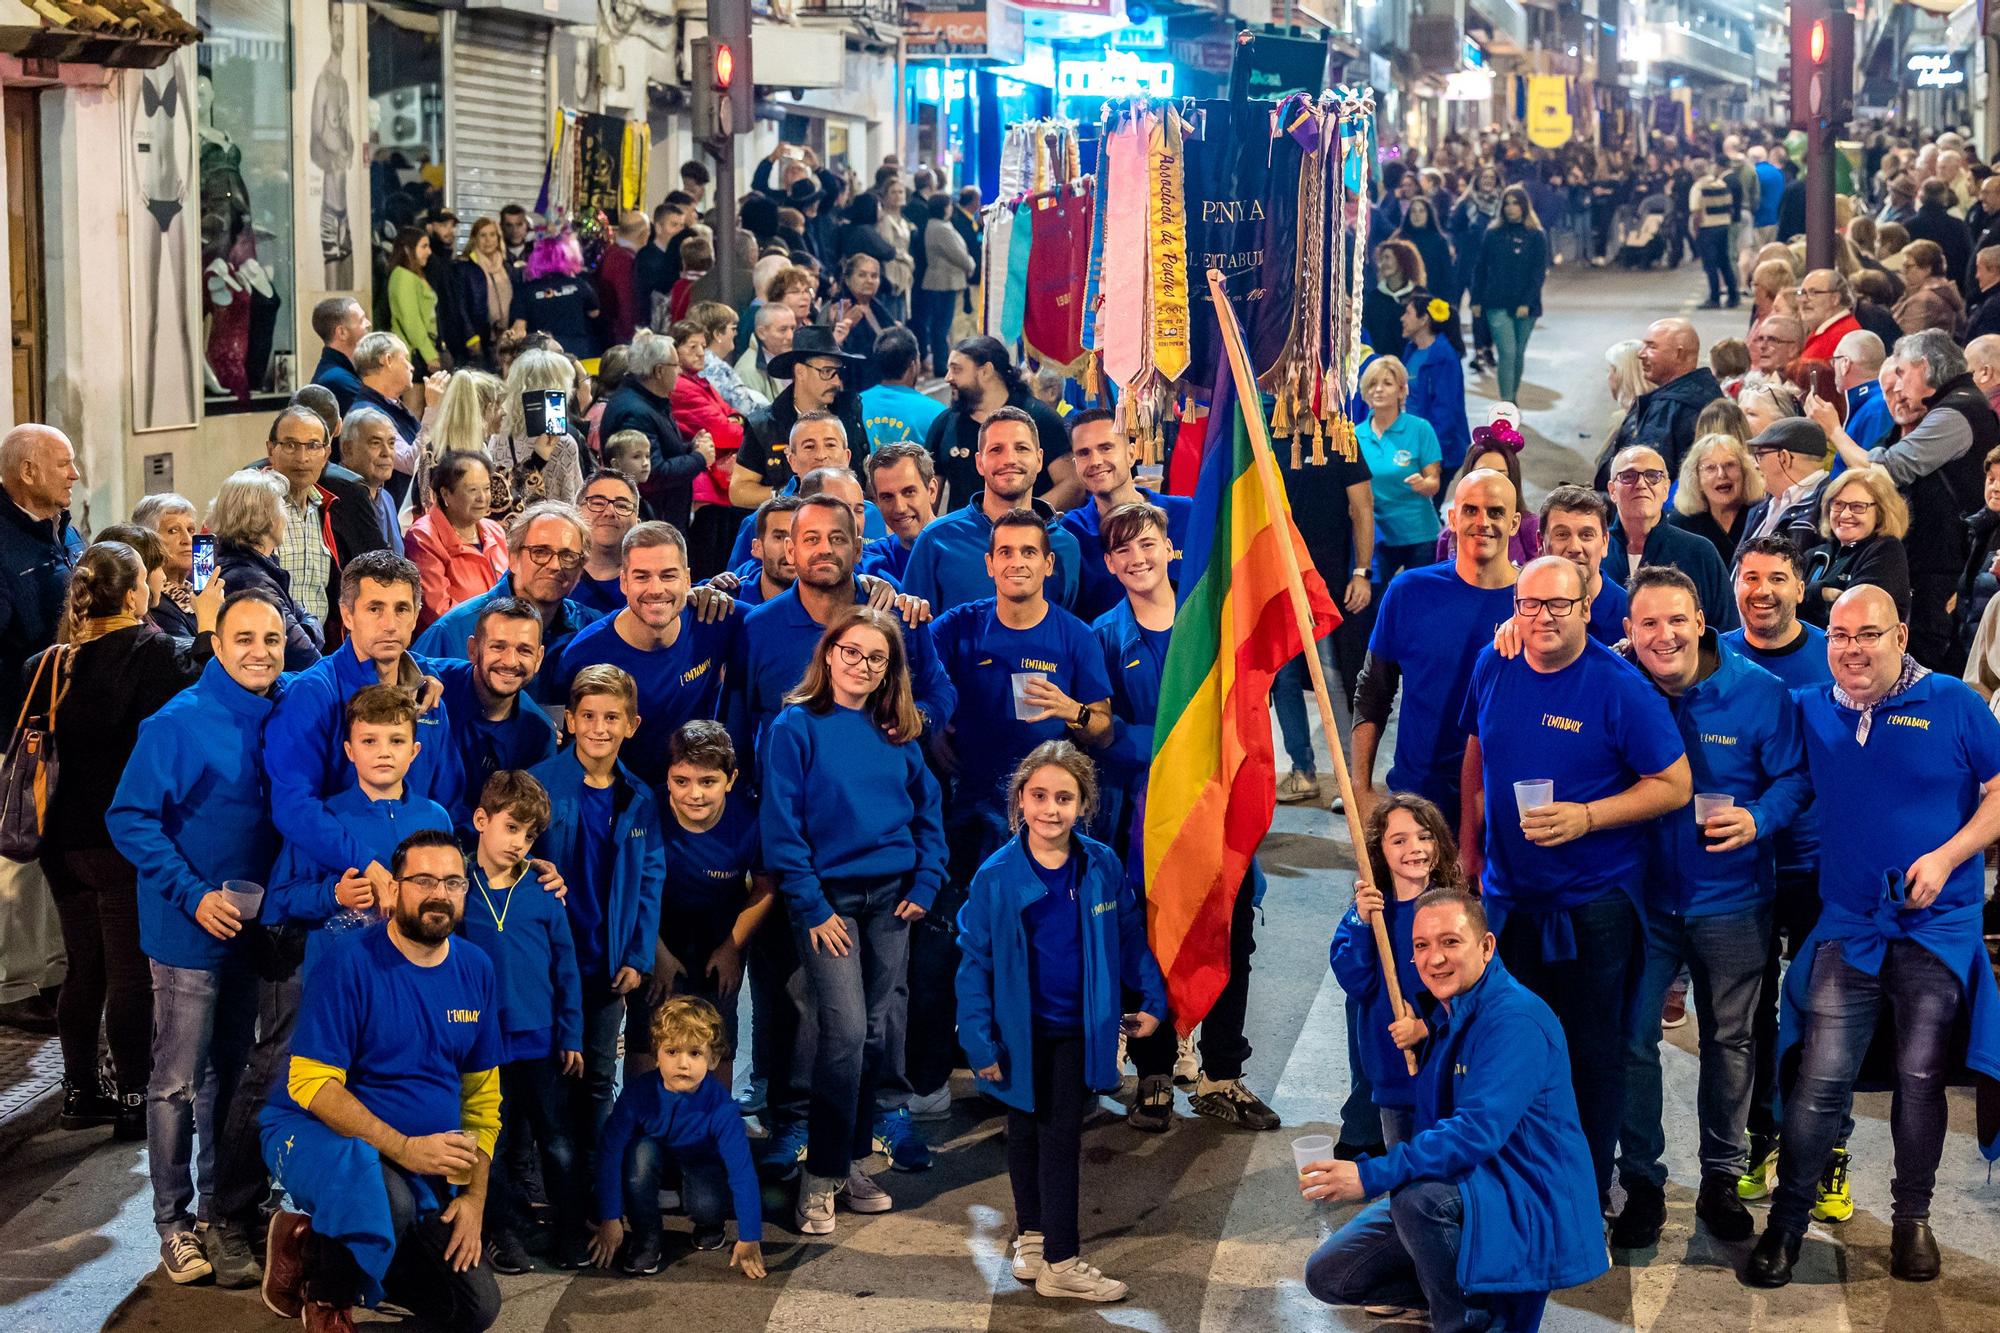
1102,908
1037,664
461,1015
695,672
986,661
1560,723
1905,720
1459,1071
1711,738
1129,665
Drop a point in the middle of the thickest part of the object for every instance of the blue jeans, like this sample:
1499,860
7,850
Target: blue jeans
203,1026
1589,996
1399,1125
1403,1250
1359,1116
1725,955
704,1188
604,1015
858,1000
1841,1009
1510,348
1289,690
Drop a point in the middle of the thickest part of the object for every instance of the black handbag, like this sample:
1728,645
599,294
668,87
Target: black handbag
28,773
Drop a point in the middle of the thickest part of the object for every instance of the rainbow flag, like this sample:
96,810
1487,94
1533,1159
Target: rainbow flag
1213,783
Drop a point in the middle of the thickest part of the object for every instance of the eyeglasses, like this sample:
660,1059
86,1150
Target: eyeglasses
427,883
1854,507
823,373
1651,476
1722,469
599,504
1530,607
1865,638
873,663
1812,291
302,446
563,560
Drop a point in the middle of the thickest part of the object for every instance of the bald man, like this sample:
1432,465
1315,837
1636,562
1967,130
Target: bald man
1664,416
1857,368
1901,889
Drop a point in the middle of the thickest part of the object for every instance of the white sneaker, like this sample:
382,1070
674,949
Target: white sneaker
1187,1064
1079,1281
184,1260
932,1106
814,1214
863,1195
1028,1263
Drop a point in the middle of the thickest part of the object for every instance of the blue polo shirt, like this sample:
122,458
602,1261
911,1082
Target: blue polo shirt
1097,588
522,739
1402,517
948,563
677,684
446,638
982,656
1798,666
885,557
872,526
1912,787
1595,727
1608,611
1433,625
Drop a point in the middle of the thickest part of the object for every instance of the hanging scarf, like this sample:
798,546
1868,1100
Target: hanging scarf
1052,327
1094,279
96,627
1166,226
1020,247
1293,379
499,287
1124,312
993,268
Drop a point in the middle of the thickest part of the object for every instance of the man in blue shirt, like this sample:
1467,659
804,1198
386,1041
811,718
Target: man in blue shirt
546,546
1640,534
1562,880
496,724
1708,898
1912,759
1857,362
1576,525
1105,456
818,440
948,563
904,480
341,324
894,411
768,571
1770,192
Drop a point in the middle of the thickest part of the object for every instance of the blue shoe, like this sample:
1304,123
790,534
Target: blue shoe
898,1138
784,1151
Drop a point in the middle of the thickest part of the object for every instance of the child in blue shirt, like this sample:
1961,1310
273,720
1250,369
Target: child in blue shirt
685,1111
716,894
1050,936
1410,850
525,932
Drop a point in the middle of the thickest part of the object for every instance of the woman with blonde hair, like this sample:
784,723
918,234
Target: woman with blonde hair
1864,520
485,286
1625,376
527,468
1719,482
1766,402
466,416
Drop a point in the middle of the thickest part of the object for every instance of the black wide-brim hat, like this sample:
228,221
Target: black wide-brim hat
811,340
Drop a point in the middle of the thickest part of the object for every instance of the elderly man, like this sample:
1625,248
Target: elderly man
368,450
1790,453
772,331
1935,221
383,362
818,440
340,323
1982,359
819,371
1857,368
1774,344
1664,415
1945,428
330,517
1901,889
1826,307
1983,316
1488,1208
644,402
546,543
1563,875
1641,536
1983,221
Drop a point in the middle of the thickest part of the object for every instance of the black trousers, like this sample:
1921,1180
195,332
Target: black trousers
1224,1048
110,984
419,1277
1045,1146
534,1129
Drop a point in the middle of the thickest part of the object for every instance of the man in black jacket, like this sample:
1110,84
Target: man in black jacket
441,224
643,402
1664,417
341,324
1934,222
1983,317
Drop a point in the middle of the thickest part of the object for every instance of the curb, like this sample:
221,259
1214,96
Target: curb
38,1116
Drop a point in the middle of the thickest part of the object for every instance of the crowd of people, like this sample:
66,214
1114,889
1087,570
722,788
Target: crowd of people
667,622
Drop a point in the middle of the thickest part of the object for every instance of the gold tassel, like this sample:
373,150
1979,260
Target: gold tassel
1319,444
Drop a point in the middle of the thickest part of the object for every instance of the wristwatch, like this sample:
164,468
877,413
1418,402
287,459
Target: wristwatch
1361,573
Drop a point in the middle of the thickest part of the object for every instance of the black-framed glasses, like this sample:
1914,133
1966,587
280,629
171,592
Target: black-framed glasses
823,373
599,504
428,883
544,555
873,663
302,446
1855,507
1559,607
1651,476
1866,638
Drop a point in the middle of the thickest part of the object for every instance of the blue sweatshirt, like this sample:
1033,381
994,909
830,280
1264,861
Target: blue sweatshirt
1802,664
996,1004
307,764
445,639
842,800
302,887
1437,394
522,739
885,557
702,1125
1358,969
191,811
629,905
1496,1116
948,563
1097,588
1742,737
524,930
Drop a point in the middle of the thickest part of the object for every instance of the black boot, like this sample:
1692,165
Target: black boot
1645,1213
130,1126
1771,1261
1913,1252
86,1107
1722,1212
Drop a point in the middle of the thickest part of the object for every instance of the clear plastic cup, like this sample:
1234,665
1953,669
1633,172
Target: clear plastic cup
1311,1148
1533,794
1023,710
247,898
1709,804
472,1144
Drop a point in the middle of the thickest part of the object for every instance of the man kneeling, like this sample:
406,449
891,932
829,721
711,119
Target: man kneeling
1492,1204
392,1099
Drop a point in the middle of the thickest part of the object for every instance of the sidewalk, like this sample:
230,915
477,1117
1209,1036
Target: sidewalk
30,1086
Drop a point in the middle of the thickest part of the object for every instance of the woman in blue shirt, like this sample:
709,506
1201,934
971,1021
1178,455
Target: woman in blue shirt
1437,378
853,831
1401,451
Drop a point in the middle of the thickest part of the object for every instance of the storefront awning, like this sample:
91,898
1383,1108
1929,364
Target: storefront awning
124,34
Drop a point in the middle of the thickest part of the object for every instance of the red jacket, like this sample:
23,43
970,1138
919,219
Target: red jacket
698,407
1820,346
616,306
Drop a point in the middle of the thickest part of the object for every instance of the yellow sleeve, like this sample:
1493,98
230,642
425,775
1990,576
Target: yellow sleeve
479,1106
307,1077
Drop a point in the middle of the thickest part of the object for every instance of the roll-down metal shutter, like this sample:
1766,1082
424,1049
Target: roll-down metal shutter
497,131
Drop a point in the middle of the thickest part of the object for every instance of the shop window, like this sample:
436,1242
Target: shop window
243,126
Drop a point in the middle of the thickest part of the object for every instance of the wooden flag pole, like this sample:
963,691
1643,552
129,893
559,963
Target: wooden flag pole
1274,500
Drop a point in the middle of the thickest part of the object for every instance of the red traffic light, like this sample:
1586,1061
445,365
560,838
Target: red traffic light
1815,44
725,65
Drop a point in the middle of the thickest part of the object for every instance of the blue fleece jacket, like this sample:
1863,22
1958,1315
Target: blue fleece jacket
702,1125
1097,588
522,739
630,904
302,887
948,563
842,800
995,1001
1742,736
445,639
191,811
1496,1116
308,764
1134,664
1358,969
524,930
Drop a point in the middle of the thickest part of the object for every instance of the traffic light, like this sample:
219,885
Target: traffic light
1822,68
729,24
713,70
